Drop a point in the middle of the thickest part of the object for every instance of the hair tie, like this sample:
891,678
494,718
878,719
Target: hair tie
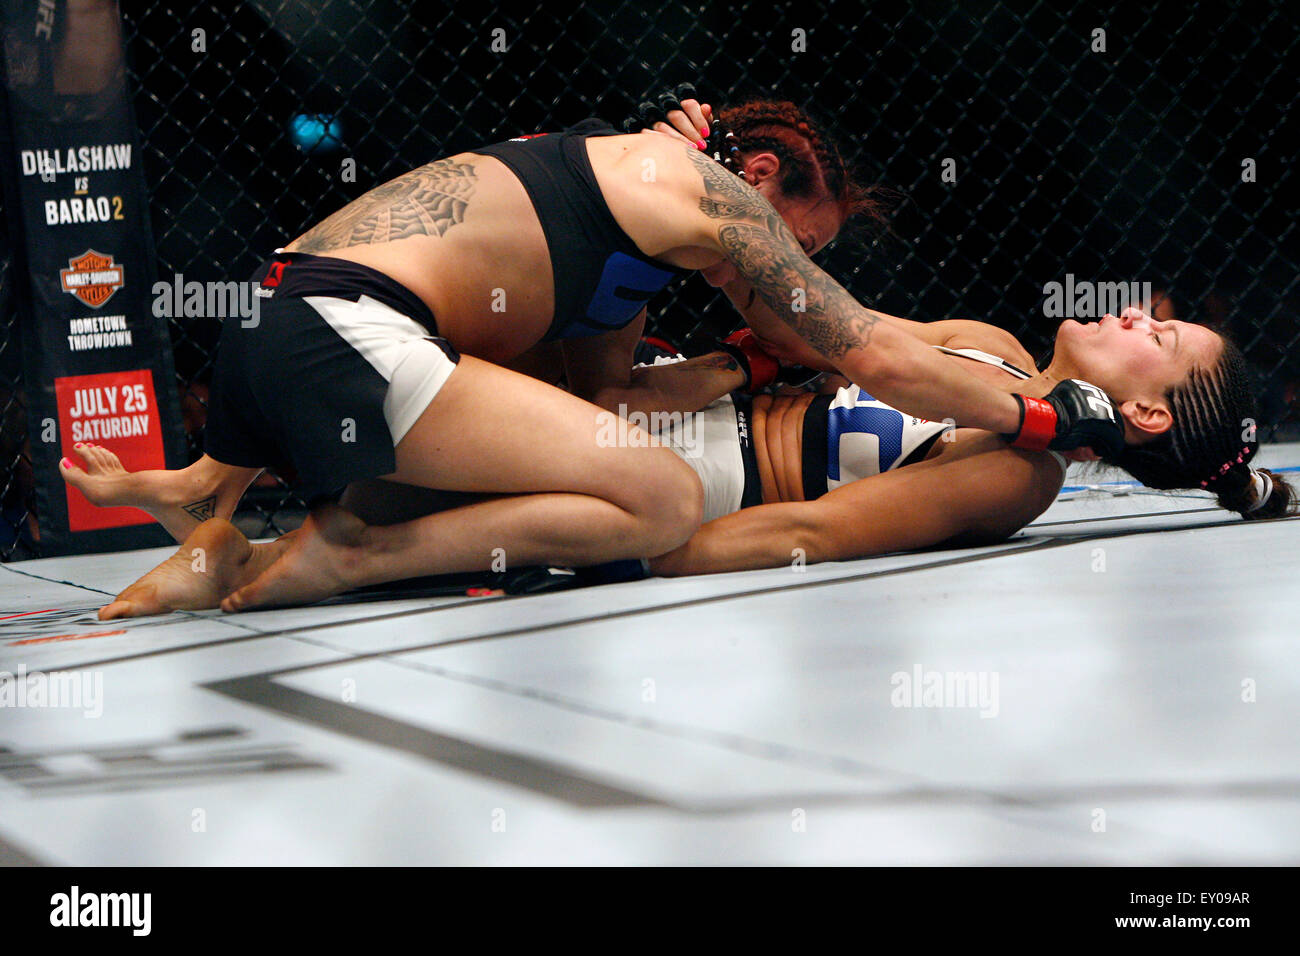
1226,467
1263,489
725,152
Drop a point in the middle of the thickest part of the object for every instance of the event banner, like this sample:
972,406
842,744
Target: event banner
97,362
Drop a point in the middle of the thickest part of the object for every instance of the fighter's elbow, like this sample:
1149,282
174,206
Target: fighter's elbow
819,534
615,398
888,358
877,369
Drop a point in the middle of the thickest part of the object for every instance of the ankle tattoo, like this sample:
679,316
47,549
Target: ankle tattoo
203,509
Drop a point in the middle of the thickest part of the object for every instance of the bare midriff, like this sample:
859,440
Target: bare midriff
777,427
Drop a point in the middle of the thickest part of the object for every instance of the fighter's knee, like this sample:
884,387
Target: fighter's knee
689,509
671,506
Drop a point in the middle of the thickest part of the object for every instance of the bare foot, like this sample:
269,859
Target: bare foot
178,499
320,562
104,481
214,560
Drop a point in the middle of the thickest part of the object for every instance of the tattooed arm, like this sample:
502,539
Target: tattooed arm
424,202
892,365
782,341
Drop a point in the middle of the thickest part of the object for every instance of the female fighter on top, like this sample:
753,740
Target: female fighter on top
380,328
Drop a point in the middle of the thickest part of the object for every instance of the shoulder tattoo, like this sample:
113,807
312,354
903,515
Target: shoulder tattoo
765,251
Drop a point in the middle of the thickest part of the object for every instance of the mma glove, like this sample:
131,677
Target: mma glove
760,368
1074,414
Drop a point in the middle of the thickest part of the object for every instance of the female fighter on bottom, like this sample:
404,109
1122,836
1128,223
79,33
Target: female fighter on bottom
843,476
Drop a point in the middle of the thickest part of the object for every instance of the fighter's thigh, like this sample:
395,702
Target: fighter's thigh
495,431
379,502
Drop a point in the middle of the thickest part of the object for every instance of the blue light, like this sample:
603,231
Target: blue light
316,132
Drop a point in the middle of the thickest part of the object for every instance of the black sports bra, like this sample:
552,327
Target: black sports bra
602,280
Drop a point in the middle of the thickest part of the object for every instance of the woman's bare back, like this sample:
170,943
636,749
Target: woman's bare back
462,234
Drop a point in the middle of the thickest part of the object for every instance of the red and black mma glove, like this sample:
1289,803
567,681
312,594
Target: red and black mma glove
1073,415
760,368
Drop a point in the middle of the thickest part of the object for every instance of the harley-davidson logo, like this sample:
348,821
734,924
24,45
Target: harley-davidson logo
92,277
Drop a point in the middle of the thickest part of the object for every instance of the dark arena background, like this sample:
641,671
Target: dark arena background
1113,681
1116,166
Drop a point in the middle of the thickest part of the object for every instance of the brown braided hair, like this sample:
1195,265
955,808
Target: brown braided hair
811,164
1209,445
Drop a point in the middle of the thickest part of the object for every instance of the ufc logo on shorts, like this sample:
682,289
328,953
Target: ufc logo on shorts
1097,399
274,274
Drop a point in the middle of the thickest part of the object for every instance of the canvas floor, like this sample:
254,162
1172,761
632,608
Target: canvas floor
1118,684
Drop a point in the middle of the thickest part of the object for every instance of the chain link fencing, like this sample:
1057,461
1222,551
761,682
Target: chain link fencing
1022,145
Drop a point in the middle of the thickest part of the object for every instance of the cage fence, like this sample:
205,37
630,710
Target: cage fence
1124,163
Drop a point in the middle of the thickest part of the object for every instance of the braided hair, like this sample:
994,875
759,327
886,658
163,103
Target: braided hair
1211,442
811,163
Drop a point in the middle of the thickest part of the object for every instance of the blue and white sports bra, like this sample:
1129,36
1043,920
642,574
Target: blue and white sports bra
866,437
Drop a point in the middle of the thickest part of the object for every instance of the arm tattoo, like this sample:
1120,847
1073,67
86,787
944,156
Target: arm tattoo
424,202
765,252
832,322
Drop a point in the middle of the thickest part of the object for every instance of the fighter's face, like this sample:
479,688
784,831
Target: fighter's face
1135,358
814,222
